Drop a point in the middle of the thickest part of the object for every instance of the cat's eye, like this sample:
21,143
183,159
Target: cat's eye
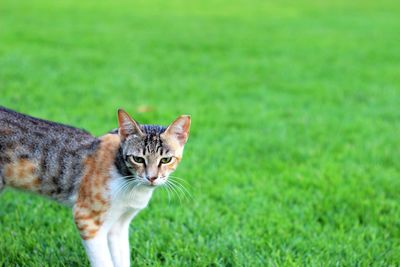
138,160
165,160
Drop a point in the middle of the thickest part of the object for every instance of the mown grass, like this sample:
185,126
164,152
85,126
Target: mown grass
294,152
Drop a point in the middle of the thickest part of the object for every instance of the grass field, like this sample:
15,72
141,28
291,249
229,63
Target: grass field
294,151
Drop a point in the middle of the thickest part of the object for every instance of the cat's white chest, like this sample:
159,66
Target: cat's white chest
128,196
137,198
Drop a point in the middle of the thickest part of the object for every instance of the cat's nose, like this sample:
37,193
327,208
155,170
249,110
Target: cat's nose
152,179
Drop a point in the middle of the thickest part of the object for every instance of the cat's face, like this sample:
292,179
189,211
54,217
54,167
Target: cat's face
151,153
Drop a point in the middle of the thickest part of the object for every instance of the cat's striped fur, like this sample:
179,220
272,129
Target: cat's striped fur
107,180
50,156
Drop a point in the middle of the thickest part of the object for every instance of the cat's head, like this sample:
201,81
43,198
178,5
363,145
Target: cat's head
151,152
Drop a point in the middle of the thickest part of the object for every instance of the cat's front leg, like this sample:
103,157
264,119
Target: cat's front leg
93,232
97,251
118,239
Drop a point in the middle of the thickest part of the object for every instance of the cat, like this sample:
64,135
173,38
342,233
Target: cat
106,180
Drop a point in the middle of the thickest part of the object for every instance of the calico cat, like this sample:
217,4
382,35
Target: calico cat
106,180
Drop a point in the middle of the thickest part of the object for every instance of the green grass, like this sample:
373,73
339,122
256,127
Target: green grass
293,157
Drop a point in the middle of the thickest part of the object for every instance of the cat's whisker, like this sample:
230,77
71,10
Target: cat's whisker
168,187
177,188
177,179
122,188
125,184
184,192
132,191
132,194
176,193
180,179
165,186
183,184
171,186
179,185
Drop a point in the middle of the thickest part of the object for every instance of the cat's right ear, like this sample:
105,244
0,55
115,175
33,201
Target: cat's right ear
127,126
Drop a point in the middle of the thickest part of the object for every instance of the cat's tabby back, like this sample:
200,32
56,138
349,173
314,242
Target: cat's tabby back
107,180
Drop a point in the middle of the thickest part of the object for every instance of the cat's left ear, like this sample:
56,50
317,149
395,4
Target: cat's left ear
179,129
127,126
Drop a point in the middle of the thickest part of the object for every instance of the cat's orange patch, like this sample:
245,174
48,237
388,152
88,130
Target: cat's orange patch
100,199
6,131
93,196
22,174
8,171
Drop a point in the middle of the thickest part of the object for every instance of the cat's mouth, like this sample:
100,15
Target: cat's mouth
155,181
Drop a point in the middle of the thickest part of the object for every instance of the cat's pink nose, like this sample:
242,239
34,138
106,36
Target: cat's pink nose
152,179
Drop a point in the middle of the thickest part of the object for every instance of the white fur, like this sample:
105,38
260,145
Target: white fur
110,246
98,251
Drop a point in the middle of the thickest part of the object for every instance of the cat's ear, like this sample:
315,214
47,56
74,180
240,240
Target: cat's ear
179,129
127,126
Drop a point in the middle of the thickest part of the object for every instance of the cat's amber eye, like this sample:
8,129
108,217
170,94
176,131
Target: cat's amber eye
165,160
138,160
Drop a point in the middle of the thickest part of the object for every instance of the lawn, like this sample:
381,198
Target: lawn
293,158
